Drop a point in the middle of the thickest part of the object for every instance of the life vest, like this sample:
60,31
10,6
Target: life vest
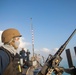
14,67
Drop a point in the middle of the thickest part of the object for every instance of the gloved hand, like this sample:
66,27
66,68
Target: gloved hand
58,70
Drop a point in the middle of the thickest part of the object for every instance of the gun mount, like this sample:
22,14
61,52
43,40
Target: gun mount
54,60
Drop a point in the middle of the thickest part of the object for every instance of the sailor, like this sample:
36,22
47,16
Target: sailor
9,62
23,54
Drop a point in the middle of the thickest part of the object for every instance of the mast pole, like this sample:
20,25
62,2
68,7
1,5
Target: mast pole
32,32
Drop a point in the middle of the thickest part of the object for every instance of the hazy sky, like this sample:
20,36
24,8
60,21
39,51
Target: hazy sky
53,21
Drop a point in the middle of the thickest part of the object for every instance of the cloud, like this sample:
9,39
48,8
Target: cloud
46,50
53,51
23,44
0,38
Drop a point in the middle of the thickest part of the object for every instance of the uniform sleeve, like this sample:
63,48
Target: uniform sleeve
4,61
0,65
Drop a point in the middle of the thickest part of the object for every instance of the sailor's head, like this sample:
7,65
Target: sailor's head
11,36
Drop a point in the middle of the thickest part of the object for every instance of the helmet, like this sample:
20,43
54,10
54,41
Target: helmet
8,34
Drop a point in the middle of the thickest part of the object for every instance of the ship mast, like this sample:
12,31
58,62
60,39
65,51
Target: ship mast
32,32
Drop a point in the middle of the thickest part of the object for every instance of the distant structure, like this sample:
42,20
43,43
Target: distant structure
72,68
32,32
75,50
69,58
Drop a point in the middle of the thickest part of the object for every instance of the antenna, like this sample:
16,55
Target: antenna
32,32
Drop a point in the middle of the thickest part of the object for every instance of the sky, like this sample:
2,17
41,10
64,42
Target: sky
53,22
